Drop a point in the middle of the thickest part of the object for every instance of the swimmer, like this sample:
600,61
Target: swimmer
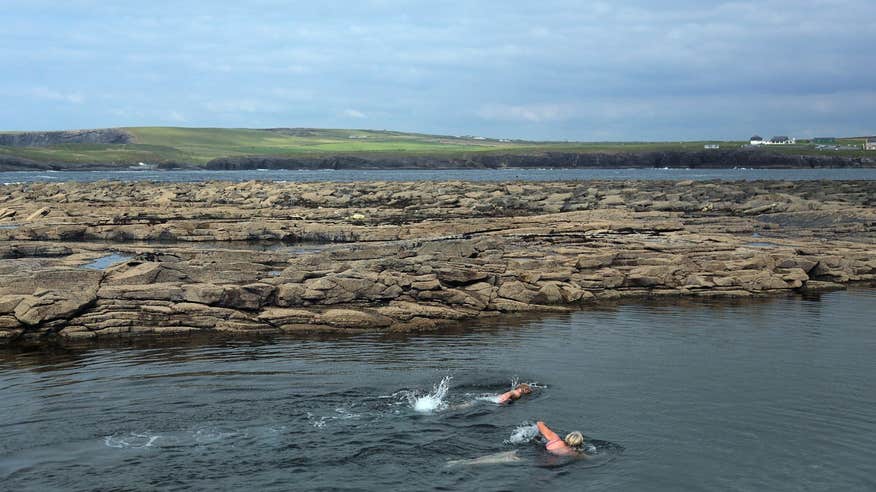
571,445
515,394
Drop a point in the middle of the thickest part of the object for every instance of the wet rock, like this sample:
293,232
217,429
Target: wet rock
348,318
281,316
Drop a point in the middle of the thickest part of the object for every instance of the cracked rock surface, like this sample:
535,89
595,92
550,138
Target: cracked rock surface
264,257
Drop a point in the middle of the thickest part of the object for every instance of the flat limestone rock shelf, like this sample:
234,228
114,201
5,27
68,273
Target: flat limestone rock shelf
406,256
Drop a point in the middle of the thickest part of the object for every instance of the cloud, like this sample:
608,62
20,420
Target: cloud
52,95
534,113
176,116
352,113
240,106
554,69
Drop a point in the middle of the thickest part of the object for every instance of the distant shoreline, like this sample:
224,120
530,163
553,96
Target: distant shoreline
169,148
714,159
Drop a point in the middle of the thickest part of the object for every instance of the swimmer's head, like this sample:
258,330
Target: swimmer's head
574,439
524,388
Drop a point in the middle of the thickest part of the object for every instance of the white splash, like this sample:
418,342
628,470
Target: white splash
432,401
523,433
318,422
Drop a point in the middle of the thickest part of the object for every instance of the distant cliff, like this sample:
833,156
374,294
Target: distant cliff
656,159
45,139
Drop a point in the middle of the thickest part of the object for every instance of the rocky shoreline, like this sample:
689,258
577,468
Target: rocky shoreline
269,258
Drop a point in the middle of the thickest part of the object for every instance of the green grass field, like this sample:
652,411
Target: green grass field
199,145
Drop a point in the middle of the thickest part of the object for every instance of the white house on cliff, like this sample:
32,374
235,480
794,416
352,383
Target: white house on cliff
758,140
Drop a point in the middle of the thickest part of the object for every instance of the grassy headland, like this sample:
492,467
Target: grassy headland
197,146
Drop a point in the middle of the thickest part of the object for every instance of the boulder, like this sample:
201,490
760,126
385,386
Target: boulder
517,291
405,311
595,261
460,276
208,294
289,295
38,214
8,303
49,305
652,276
452,297
247,297
549,293
144,273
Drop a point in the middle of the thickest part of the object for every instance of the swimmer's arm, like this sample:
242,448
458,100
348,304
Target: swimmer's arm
546,431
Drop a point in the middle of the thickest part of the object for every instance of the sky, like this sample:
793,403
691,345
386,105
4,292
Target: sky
546,70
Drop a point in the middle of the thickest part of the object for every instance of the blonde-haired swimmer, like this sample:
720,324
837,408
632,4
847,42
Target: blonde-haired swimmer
570,446
515,394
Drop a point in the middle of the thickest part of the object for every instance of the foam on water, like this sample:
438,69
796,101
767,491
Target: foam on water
489,398
211,434
523,433
340,414
132,440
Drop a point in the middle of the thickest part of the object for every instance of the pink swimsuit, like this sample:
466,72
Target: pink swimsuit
559,447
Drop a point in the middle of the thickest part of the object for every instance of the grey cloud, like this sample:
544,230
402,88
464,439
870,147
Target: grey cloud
552,69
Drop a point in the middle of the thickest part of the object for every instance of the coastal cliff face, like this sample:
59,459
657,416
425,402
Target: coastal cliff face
223,258
675,159
45,139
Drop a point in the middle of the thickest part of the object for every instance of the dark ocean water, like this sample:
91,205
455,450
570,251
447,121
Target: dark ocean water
443,175
775,394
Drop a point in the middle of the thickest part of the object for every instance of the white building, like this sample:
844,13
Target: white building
782,140
757,140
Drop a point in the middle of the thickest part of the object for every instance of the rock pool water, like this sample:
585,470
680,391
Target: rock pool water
772,394
107,261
